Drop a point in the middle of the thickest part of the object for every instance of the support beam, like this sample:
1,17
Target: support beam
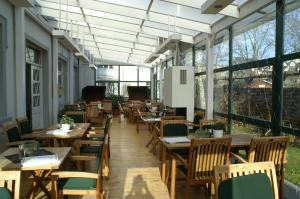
210,77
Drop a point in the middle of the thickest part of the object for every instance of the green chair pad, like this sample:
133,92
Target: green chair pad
13,134
98,138
175,130
91,149
77,183
5,193
25,127
256,186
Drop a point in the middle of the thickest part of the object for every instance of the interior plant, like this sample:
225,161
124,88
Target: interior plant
67,120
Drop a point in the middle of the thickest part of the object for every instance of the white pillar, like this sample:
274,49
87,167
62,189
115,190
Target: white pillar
20,62
71,78
54,78
210,77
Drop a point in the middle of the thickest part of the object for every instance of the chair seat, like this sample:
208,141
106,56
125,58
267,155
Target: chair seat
77,184
98,138
5,193
91,149
256,186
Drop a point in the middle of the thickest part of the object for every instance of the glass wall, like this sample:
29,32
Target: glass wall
221,81
117,78
200,57
2,65
221,50
200,92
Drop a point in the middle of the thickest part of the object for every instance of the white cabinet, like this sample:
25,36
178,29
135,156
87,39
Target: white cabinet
178,90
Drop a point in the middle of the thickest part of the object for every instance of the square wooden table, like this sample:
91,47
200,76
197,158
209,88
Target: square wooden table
239,141
63,140
39,172
152,121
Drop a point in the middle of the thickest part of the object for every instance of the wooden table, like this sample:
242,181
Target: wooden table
63,140
239,141
152,122
40,172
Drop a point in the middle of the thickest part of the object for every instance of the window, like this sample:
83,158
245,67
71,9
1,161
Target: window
107,73
200,57
221,82
254,36
252,92
221,50
128,73
33,55
291,27
188,58
200,92
144,74
123,87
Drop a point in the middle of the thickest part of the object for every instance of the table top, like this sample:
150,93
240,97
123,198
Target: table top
6,164
79,130
238,140
151,119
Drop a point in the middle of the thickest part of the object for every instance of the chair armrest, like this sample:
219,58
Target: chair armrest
94,135
95,132
74,174
82,157
15,143
181,159
97,128
192,124
94,142
238,158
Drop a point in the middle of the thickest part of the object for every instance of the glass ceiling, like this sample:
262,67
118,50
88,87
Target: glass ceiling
128,30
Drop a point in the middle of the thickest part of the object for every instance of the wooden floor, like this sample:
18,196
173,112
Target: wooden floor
135,172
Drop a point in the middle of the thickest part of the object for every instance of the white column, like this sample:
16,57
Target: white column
210,77
20,62
54,79
71,78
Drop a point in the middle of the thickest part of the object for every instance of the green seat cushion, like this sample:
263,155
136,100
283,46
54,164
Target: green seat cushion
98,138
77,183
77,118
13,134
25,127
91,149
5,193
256,186
175,130
197,119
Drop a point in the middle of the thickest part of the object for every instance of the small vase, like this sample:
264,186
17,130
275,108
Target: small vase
218,133
65,127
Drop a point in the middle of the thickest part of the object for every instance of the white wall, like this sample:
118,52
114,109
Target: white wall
6,10
86,76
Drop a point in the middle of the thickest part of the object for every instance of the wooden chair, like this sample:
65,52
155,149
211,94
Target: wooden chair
72,107
77,116
12,134
122,112
10,184
271,149
225,172
173,128
107,106
139,119
80,183
93,114
204,155
25,126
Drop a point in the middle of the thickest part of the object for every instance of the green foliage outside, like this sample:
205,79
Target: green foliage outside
292,172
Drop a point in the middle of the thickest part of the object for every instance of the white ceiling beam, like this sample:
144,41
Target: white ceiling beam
231,10
151,16
214,6
246,9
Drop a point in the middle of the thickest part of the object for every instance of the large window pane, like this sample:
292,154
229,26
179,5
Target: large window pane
111,87
123,87
291,94
188,58
252,92
221,82
128,73
200,91
221,50
254,36
144,74
110,73
291,27
200,57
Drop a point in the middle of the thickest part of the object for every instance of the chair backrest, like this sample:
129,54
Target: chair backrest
24,125
205,154
11,132
225,172
10,184
120,107
92,111
107,106
108,125
174,128
269,149
173,117
100,156
72,107
77,116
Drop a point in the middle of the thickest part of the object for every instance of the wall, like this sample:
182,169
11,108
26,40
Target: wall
86,76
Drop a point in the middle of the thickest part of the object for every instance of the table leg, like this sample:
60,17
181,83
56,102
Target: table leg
38,180
173,178
163,164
